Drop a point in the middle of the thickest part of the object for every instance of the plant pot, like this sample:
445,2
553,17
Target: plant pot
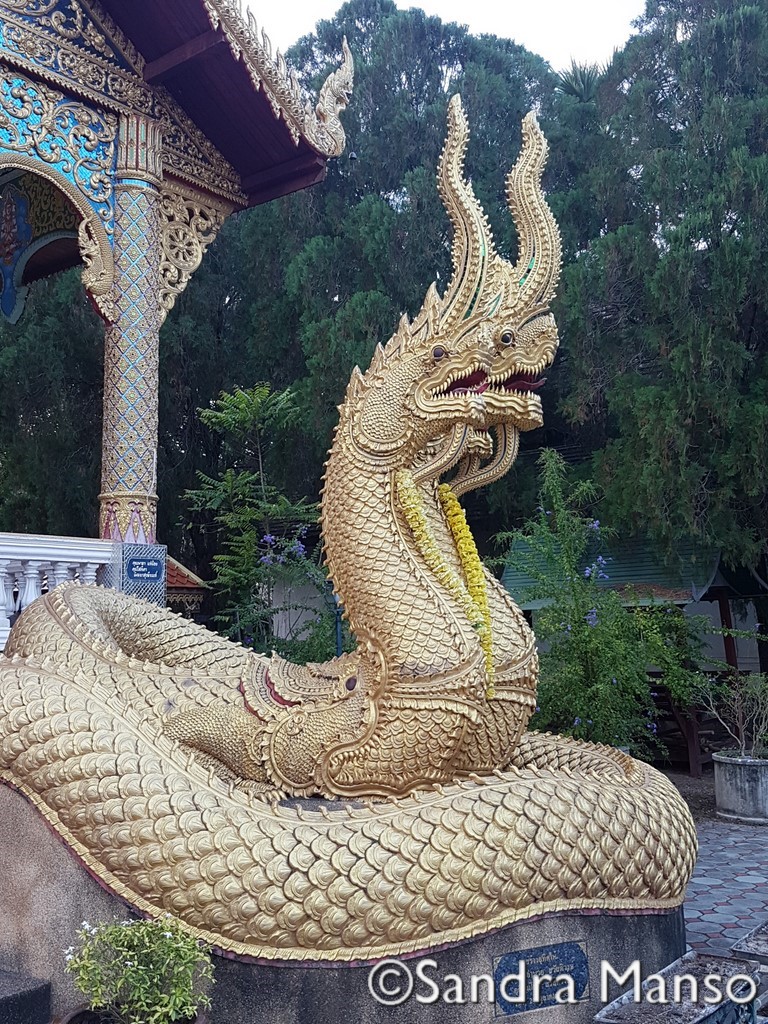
83,1015
741,788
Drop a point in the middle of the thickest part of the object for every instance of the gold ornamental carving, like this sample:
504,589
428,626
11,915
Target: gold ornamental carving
77,48
140,148
320,124
73,148
98,269
79,142
189,155
128,517
72,23
162,753
189,222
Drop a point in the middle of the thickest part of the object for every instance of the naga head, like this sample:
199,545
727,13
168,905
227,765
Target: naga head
473,358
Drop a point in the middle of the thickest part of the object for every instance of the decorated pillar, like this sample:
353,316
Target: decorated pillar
129,434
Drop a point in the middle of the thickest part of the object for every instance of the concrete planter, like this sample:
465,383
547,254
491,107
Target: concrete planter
741,788
687,1007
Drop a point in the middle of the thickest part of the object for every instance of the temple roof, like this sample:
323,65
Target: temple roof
635,568
179,577
223,74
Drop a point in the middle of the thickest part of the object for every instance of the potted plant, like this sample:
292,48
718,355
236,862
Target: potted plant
740,704
140,972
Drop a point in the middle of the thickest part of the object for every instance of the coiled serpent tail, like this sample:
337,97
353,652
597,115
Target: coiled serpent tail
569,825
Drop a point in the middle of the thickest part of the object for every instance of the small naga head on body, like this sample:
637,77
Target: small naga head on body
459,382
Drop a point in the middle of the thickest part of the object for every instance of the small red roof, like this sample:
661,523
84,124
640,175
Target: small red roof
180,578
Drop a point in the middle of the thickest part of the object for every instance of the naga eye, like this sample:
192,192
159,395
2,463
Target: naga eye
507,337
438,352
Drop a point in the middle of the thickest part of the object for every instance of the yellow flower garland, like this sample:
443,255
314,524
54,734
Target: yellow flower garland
473,597
473,571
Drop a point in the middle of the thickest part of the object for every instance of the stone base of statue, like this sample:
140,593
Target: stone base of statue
565,952
46,894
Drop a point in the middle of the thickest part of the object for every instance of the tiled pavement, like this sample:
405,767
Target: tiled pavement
728,894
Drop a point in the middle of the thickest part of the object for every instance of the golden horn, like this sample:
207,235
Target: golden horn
473,248
538,266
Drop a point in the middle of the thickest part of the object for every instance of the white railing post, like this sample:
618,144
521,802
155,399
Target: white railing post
7,601
88,572
60,575
9,586
32,582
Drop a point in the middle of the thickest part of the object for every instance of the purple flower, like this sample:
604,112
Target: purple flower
298,548
600,560
266,559
603,576
615,681
591,617
577,721
594,525
588,572
651,726
268,539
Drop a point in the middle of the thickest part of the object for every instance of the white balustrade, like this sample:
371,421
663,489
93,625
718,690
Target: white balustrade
31,565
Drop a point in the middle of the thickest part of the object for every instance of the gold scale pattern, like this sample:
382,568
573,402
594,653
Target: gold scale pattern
162,754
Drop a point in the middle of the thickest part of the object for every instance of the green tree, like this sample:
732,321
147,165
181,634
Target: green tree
665,313
264,553
51,369
596,653
580,81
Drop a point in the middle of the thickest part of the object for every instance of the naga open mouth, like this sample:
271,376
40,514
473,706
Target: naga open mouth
477,382
474,383
521,382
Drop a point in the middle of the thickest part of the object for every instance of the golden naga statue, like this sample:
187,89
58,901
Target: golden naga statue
163,754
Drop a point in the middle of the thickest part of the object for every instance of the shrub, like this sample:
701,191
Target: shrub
141,972
595,653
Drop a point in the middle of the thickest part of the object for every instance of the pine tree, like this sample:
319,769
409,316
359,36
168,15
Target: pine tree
664,312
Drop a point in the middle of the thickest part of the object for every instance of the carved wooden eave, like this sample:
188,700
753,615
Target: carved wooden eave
205,59
235,121
320,124
229,123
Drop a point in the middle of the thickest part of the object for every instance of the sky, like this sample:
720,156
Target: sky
558,30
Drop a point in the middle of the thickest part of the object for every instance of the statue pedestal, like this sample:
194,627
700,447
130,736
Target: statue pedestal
557,944
46,894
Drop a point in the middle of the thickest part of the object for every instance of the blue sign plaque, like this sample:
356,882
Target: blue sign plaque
144,570
531,979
